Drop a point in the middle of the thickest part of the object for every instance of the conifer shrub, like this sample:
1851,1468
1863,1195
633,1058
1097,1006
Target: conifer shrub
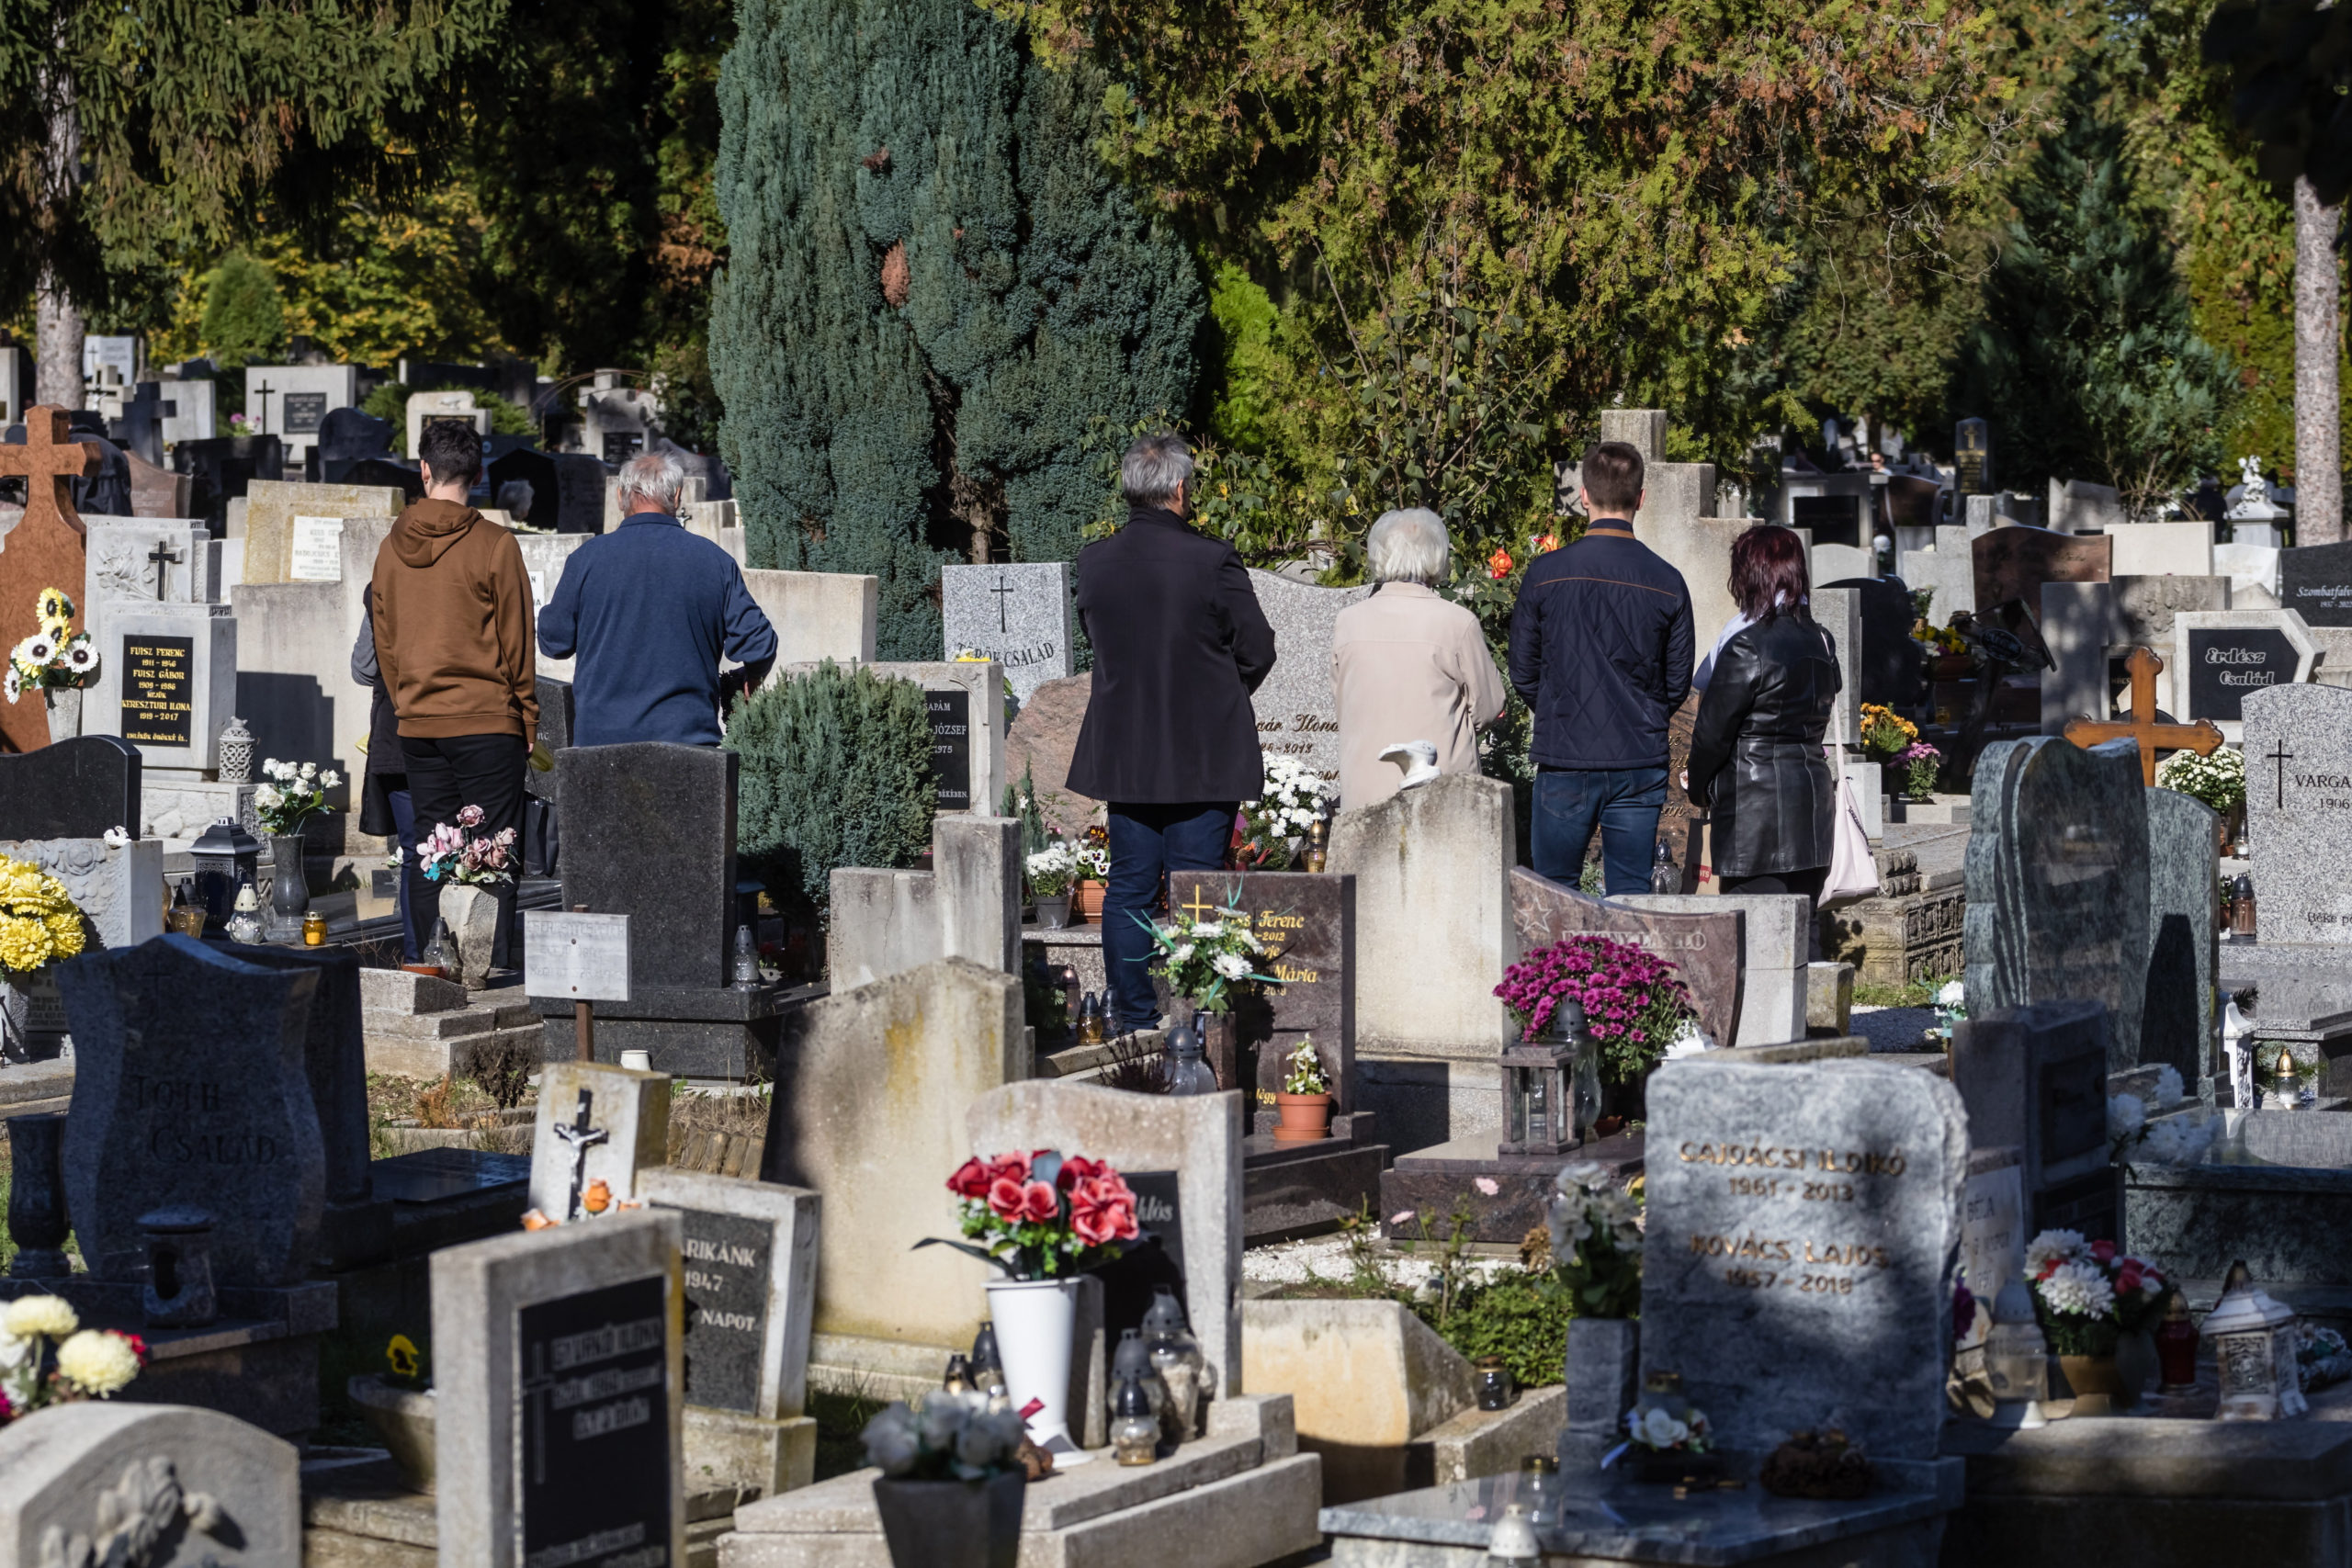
836,772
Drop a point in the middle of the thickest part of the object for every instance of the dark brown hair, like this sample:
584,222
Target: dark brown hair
450,449
1767,573
1613,478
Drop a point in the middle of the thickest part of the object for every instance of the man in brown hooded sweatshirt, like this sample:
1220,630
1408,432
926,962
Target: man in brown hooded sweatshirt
454,643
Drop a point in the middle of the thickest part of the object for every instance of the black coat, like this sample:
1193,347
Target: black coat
1179,643
1600,650
1756,761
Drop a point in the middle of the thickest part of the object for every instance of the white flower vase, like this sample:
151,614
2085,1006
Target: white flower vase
1036,1321
64,713
471,914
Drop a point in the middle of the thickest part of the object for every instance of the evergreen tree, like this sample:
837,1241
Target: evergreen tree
244,321
2084,359
934,290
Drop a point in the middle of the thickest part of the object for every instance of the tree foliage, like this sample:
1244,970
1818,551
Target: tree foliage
244,319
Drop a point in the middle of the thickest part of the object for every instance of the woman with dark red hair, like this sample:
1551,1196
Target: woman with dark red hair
1755,756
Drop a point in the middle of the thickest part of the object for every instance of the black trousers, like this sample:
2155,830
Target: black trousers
1808,883
443,777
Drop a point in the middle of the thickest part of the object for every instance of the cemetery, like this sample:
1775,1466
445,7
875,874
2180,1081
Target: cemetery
709,857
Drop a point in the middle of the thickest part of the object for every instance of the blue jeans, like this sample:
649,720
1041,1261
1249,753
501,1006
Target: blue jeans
404,835
1147,844
1625,801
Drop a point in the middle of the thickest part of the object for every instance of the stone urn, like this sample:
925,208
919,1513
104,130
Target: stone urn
64,712
471,914
952,1524
403,1418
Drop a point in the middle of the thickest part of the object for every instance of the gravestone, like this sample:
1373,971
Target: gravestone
291,530
558,1374
2078,505
595,1124
567,489
751,1278
1775,942
190,1088
1703,945
223,468
1885,670
1971,442
965,701
2177,1020
818,615
292,401
966,906
1991,1224
2035,1078
114,359
1794,1208
1838,613
2299,799
2057,874
44,548
156,491
2221,656
2013,563
192,403
439,408
345,436
648,832
2146,607
1298,706
1020,616
1308,925
117,887
81,788
2162,549
154,561
147,1486
2078,625
2315,581
167,683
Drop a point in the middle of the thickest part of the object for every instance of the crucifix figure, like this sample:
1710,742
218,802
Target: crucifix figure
1002,590
582,1138
163,557
2204,737
2280,756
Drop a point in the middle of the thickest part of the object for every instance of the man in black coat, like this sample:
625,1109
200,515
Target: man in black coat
1169,741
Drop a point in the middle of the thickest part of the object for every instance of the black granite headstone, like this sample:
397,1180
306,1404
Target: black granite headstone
555,733
1308,922
596,1460
335,1054
1834,519
2315,581
346,436
223,466
951,746
1888,665
648,832
730,1262
76,789
2226,662
390,472
567,487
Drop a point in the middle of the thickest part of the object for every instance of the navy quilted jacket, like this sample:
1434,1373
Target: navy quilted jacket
1600,650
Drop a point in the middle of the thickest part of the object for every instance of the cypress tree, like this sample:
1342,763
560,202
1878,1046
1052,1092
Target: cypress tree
935,289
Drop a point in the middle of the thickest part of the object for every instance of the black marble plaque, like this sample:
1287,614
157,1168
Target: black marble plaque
951,746
158,675
2315,581
620,446
2226,662
1129,1280
302,411
1308,924
76,789
1834,519
594,1386
730,1263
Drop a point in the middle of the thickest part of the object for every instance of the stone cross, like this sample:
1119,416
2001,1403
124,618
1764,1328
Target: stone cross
2204,737
44,549
580,1138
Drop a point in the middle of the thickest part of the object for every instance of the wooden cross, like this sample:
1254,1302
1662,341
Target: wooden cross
2204,737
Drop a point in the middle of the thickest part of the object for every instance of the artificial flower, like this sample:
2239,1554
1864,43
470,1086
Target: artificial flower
1039,1202
97,1362
49,1316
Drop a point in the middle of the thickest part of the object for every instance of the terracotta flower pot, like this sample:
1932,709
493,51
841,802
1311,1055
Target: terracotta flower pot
1306,1118
952,1524
1086,902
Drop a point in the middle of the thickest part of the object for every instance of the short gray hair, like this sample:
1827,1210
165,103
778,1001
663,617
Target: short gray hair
656,477
1410,546
1153,468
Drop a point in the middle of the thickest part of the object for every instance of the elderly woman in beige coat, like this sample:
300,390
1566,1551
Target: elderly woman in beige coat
1409,665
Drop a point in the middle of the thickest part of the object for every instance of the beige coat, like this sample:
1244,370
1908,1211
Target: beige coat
1409,666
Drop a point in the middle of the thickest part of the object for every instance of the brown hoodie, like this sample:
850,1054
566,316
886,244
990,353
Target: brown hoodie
453,626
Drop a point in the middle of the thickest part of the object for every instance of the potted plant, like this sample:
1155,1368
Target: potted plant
952,1482
40,924
1042,1220
1635,1008
1208,961
1270,832
1305,1102
2089,1295
2219,781
57,662
1051,870
1596,1235
1093,872
398,1405
1885,733
296,795
48,1358
1917,766
468,868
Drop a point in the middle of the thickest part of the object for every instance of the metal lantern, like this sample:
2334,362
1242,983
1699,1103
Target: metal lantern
1551,1086
2255,1343
225,857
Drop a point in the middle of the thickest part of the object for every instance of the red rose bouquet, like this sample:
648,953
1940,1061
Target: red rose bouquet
1042,1214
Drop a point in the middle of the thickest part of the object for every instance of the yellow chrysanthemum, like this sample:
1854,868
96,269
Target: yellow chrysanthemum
24,944
64,933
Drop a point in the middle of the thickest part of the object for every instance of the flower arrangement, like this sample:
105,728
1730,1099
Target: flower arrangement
55,657
1270,834
2169,1140
2088,1293
1920,763
300,794
446,854
1051,870
1596,1241
1307,1075
1093,854
1885,733
39,920
943,1435
1951,1011
1204,960
2219,780
1042,1214
48,1358
1633,1005
1661,1431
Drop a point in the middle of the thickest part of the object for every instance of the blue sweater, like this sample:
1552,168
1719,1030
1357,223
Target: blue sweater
648,609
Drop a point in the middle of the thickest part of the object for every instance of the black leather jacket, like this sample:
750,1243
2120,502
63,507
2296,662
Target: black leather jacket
1756,761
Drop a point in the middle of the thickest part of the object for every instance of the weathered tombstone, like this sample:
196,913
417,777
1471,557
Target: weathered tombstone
163,560
1019,615
2013,563
82,788
291,530
190,1088
2145,608
223,466
2298,798
1792,1208
1774,945
2035,1078
345,436
1308,925
117,887
1298,706
150,1485
751,1276
967,906
167,683
1885,668
2176,1020
2057,874
1838,613
1992,1221
2162,549
1703,945
2079,506
818,615
2221,656
2315,581
559,1375
595,1124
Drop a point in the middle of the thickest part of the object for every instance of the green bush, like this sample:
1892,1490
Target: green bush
1524,1318
244,319
836,772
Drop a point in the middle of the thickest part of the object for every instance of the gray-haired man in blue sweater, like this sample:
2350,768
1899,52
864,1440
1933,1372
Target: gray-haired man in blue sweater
648,609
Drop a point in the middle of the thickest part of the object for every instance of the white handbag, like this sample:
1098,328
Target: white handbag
1853,870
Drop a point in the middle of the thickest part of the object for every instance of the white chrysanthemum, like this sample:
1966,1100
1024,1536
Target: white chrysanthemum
1952,995
49,1316
2053,1245
97,1362
1660,1431
1209,929
2177,1139
1183,953
2080,1289
2126,1114
1232,965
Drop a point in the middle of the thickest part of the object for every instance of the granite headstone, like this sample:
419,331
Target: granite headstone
2035,1078
2146,605
81,788
2299,802
2176,1020
751,1275
1804,1222
2013,563
2221,656
1018,614
1298,706
143,1485
2315,581
346,436
1887,668
648,832
1308,925
190,1088
1702,948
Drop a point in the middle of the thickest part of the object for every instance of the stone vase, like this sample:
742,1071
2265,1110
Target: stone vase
2096,1383
471,915
402,1418
36,1221
952,1524
289,887
64,712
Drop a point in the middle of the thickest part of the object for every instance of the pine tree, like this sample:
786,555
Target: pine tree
2084,358
934,291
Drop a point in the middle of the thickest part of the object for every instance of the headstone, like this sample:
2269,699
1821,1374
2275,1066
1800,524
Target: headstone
2078,623
1774,946
102,355
1297,706
1972,440
347,436
2035,1078
1792,1208
223,468
44,548
192,404
2013,563
1948,574
162,560
156,491
117,887
92,1481
966,906
2057,872
2315,581
140,431
1702,944
1307,923
1019,615
212,1109
965,701
81,788
560,1383
437,408
616,421
291,529
567,489
1991,1224
1838,613
2161,550
2146,605
595,1124
648,832
2298,798
2221,656
1886,668
167,683
2079,506
818,615
292,401
2178,1014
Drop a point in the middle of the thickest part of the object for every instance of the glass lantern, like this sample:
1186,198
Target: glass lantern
1551,1087
225,856
1183,1070
2255,1343
1176,1358
1134,1430
2017,1358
